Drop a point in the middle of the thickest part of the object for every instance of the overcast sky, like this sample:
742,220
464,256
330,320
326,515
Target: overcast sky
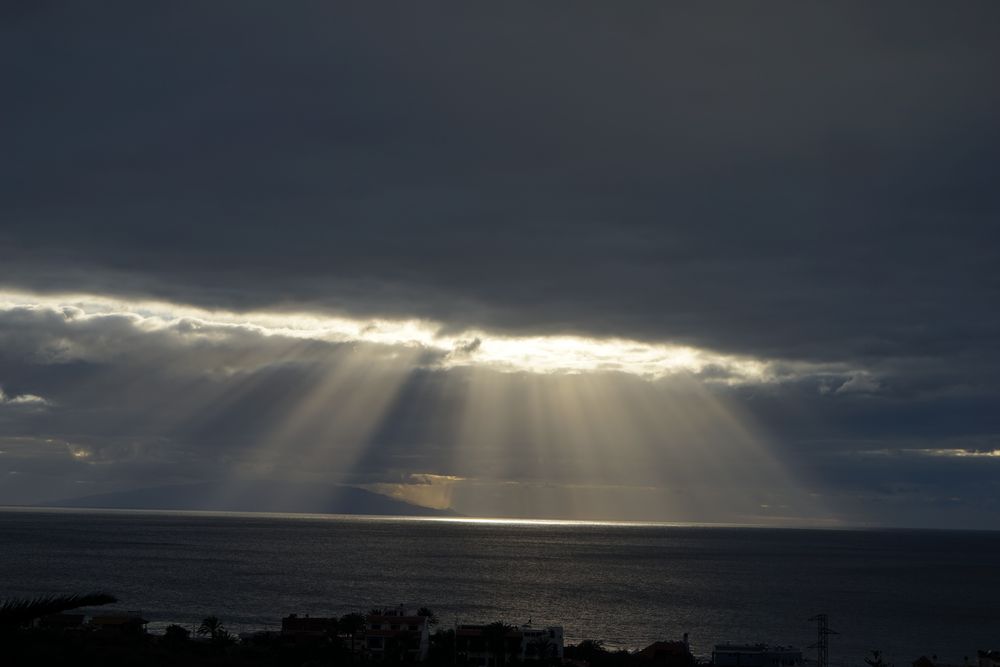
592,260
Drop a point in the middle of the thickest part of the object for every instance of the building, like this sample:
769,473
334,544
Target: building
756,655
483,646
119,625
397,635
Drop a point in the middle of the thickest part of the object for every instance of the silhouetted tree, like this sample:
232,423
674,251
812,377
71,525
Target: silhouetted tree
495,635
333,631
431,617
591,647
176,634
876,660
542,647
17,612
217,632
352,624
442,648
594,652
590,650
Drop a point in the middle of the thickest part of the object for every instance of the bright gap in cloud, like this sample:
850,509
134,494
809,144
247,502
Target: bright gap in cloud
957,453
568,354
21,399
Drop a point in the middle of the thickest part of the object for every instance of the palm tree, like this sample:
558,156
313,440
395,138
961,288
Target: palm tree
496,641
17,612
351,625
876,660
213,627
333,632
431,617
591,650
542,646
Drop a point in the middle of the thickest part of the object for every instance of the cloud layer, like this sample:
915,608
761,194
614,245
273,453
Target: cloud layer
128,397
807,190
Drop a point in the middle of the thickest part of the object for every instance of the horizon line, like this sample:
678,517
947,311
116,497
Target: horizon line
474,520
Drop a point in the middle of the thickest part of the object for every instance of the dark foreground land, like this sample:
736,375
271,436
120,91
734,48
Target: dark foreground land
35,646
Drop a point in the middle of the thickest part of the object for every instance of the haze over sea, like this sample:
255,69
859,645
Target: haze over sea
905,592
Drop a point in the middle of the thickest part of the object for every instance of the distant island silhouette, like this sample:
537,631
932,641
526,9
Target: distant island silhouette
254,496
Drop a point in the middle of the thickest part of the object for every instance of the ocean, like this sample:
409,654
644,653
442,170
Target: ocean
906,593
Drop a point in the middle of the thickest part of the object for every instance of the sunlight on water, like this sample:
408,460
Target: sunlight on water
627,584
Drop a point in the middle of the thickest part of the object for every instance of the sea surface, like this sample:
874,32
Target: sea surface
906,593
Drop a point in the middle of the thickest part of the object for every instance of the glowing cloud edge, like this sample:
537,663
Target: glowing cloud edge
566,354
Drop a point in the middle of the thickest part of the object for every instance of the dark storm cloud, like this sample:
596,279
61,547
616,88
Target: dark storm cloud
810,181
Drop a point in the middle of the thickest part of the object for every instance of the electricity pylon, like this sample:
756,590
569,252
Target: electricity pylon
822,644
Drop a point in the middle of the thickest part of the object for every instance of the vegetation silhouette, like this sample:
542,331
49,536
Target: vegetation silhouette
351,624
176,634
17,612
431,617
596,654
876,660
543,647
84,646
495,635
215,630
442,649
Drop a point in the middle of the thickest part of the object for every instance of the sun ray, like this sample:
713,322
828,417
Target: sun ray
531,425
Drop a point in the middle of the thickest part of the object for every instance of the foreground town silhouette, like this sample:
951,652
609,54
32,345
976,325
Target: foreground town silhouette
51,630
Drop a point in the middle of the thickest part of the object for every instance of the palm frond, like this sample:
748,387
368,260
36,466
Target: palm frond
21,611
